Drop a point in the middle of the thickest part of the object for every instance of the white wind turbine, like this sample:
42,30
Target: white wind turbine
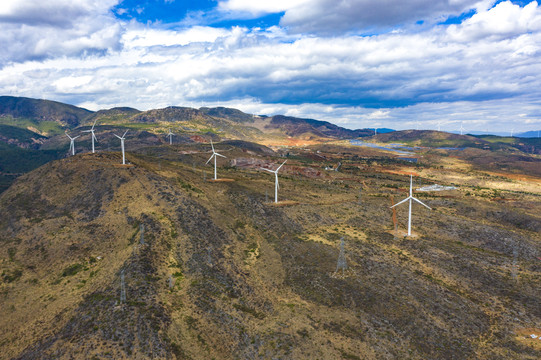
170,134
93,135
122,146
461,128
72,143
411,199
214,155
276,186
439,125
512,131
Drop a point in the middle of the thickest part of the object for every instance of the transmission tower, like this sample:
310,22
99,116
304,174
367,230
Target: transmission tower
342,263
209,256
122,288
514,269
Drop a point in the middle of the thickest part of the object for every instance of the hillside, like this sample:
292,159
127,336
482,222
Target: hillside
219,273
42,110
440,139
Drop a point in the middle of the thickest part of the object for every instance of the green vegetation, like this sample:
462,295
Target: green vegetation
48,128
72,269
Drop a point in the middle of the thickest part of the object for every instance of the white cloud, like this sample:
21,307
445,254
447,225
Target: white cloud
334,17
34,29
393,80
257,8
52,12
504,20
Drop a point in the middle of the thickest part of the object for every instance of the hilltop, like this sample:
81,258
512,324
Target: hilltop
214,271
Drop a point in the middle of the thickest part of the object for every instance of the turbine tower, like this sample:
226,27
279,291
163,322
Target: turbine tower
214,155
170,134
93,135
411,199
122,146
276,186
72,143
512,131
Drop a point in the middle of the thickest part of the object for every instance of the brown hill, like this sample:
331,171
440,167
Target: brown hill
220,274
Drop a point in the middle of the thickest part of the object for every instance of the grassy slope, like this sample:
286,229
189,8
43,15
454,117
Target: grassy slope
253,280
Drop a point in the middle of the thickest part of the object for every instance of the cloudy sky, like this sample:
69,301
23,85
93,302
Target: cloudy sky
357,63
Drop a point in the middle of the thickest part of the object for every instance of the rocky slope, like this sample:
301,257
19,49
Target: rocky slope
212,271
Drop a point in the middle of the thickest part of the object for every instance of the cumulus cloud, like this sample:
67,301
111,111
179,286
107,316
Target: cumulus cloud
504,20
34,29
442,73
334,17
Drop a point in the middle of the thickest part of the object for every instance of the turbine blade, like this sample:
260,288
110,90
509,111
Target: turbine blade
210,158
281,165
420,202
76,137
125,133
212,146
220,155
117,136
94,124
401,202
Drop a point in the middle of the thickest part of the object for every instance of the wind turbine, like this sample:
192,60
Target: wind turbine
72,143
122,146
461,128
93,135
214,155
512,131
276,186
170,134
439,125
411,199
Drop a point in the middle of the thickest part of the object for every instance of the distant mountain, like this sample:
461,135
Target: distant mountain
228,113
297,127
441,139
530,134
228,122
42,110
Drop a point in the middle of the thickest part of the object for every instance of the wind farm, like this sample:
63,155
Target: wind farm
222,272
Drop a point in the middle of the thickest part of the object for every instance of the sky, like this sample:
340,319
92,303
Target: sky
424,64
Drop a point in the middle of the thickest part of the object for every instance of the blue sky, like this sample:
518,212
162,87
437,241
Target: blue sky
356,63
